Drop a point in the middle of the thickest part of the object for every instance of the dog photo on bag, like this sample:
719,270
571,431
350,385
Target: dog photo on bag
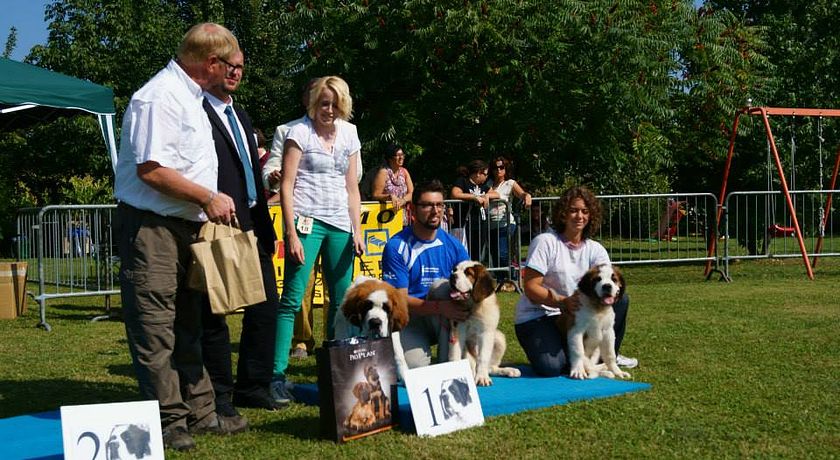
357,387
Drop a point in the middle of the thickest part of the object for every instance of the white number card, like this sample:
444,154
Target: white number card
129,430
443,398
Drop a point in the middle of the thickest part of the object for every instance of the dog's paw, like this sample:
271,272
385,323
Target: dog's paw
624,375
483,380
602,373
514,372
578,372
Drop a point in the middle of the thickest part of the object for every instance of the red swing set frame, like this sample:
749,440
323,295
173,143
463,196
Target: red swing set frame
765,113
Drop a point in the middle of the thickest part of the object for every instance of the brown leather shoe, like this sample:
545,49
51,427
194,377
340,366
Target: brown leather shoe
220,424
178,438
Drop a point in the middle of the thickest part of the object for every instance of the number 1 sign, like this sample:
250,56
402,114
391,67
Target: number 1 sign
443,398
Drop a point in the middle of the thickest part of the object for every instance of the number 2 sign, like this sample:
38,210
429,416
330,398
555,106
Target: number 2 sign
443,398
126,431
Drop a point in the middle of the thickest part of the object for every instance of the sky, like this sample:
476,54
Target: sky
28,17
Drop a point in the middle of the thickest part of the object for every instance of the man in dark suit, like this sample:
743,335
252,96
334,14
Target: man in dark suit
239,169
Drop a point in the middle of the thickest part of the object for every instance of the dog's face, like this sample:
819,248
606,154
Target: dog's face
362,392
603,282
471,279
129,442
454,393
375,307
372,376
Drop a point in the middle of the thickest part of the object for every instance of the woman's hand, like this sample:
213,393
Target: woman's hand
396,201
358,244
294,249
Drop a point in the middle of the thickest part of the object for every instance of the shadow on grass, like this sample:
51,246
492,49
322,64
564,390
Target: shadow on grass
83,312
26,397
303,427
125,370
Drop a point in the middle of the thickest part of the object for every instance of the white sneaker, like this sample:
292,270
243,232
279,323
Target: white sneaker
624,361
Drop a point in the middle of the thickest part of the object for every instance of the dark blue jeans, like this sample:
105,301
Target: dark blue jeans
500,238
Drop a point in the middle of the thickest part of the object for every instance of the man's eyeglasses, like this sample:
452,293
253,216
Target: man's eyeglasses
427,205
231,68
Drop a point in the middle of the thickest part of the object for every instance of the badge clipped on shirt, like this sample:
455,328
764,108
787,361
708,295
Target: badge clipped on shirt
304,225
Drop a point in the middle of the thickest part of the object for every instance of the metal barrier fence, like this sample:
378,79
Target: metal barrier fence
73,251
758,225
491,235
643,229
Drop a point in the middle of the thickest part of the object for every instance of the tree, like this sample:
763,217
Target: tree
591,91
803,47
11,42
627,96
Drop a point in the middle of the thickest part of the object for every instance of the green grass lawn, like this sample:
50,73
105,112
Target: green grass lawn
742,369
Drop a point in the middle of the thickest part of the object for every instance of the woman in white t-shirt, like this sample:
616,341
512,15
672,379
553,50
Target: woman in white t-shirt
321,209
502,223
557,259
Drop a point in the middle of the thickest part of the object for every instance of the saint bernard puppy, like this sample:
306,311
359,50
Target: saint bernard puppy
589,331
477,338
379,310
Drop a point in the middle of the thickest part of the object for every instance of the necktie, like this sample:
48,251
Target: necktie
243,155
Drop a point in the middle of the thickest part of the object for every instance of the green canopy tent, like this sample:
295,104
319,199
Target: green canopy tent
31,94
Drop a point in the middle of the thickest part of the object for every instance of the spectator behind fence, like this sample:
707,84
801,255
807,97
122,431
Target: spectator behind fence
470,218
239,175
393,182
411,261
502,222
166,185
557,259
321,209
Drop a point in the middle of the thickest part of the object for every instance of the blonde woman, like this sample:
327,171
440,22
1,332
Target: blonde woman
321,210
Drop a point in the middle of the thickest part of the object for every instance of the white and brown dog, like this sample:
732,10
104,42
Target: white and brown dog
477,338
589,331
379,310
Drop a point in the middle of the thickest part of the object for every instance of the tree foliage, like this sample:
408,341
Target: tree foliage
625,95
804,50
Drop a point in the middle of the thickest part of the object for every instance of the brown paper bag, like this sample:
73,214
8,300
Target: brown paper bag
226,265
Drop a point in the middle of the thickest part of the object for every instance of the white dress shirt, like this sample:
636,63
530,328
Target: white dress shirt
166,123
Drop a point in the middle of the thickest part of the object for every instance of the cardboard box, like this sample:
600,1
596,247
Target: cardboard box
12,289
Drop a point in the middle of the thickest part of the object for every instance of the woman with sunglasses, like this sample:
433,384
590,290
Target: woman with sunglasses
502,222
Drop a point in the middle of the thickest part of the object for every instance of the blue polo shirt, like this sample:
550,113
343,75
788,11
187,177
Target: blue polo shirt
409,262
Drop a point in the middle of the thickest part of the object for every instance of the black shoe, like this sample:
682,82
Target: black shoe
259,398
220,424
178,438
226,409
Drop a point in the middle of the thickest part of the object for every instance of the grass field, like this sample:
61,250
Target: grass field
742,369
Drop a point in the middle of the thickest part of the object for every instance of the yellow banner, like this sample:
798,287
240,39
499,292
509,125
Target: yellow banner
378,223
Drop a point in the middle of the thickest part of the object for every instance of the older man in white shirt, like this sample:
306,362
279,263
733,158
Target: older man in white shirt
166,183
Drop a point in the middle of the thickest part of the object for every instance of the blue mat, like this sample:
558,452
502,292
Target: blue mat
508,396
38,436
32,436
